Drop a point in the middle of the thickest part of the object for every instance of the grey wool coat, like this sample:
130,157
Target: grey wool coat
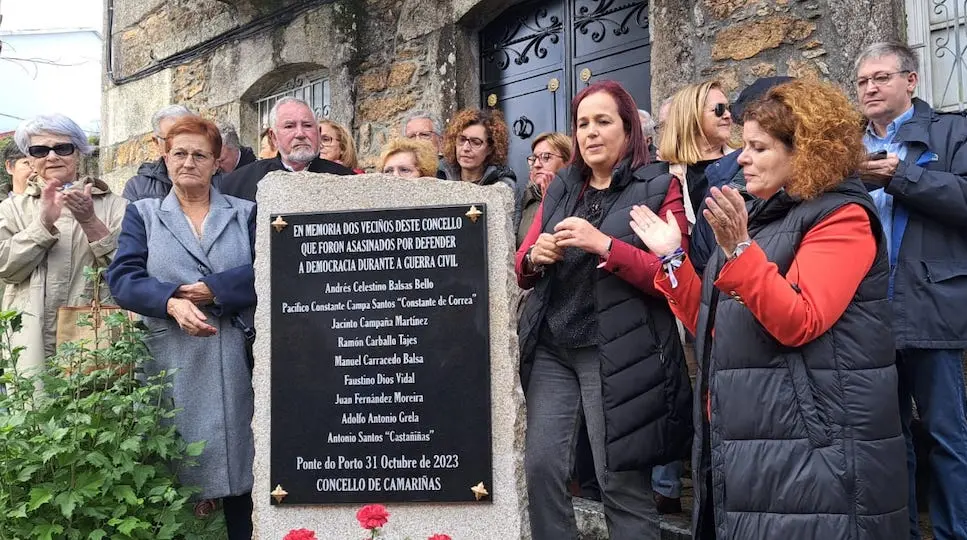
157,252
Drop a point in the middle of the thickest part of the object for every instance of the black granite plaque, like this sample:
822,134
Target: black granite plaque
380,356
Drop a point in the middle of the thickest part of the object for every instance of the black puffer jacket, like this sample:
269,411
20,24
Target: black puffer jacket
803,442
644,382
151,182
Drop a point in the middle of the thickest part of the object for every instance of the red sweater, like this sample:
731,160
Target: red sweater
636,266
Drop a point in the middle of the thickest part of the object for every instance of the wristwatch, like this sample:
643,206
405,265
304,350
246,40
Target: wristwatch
739,249
535,268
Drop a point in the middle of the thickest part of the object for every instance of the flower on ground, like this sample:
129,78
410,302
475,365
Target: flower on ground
300,534
372,516
439,537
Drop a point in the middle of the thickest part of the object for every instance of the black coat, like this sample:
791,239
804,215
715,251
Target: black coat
246,156
243,182
644,382
930,283
151,182
802,442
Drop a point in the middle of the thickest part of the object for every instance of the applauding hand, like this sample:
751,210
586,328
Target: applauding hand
660,237
728,217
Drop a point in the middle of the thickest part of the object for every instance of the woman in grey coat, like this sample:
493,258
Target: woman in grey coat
185,263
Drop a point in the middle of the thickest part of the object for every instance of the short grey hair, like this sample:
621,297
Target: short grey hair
274,111
54,124
421,114
171,111
907,58
229,135
647,124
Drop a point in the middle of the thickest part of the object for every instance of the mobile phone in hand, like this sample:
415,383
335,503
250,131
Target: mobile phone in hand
873,156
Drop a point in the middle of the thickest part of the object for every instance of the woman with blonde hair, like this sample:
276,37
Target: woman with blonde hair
797,430
336,144
408,158
695,134
550,152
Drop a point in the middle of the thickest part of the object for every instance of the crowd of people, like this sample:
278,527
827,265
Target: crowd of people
772,308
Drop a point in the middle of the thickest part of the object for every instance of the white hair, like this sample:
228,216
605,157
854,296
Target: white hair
55,124
647,124
229,135
274,111
171,111
905,55
420,115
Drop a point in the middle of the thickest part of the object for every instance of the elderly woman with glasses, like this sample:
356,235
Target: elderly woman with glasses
550,152
596,338
337,145
61,224
185,263
408,158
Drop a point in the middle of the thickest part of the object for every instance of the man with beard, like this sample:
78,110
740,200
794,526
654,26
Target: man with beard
293,129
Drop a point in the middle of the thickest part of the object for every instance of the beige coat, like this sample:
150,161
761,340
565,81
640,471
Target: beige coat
44,271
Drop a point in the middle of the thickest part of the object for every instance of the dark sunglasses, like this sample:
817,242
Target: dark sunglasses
64,149
720,109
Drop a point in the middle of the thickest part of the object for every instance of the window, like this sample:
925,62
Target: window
937,31
313,88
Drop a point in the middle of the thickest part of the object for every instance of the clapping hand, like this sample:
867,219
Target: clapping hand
577,232
51,204
191,319
80,203
728,217
660,237
198,293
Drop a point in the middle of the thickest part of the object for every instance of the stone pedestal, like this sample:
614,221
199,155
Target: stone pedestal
504,514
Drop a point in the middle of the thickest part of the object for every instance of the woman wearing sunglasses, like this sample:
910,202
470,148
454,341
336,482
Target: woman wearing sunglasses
596,338
60,225
550,152
695,134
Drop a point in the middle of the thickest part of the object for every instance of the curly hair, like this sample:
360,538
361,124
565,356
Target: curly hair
423,155
497,136
818,124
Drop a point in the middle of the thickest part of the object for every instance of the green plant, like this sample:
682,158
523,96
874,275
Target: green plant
88,450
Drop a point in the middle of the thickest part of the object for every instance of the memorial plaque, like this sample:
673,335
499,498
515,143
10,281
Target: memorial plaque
380,366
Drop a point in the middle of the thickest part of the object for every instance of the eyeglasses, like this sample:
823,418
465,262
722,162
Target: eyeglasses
878,79
422,135
326,140
63,149
181,156
720,109
474,142
543,157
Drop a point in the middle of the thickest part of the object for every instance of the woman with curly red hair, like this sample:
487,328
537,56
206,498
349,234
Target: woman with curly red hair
798,428
475,148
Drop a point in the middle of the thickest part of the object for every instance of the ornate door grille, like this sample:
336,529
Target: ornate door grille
937,30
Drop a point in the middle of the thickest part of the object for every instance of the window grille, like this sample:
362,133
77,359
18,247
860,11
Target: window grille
937,31
311,88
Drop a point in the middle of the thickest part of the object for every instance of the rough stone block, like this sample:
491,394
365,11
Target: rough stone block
506,516
747,40
384,108
401,74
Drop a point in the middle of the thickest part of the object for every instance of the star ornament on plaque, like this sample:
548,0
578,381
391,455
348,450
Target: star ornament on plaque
473,214
479,491
278,493
279,224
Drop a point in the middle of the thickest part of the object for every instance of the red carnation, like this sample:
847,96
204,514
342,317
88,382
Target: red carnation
439,537
372,516
300,534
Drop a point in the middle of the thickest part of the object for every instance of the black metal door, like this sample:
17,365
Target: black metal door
537,55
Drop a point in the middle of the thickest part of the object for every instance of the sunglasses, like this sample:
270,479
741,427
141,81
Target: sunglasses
63,149
720,109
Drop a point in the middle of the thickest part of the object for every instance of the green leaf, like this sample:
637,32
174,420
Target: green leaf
26,472
46,531
125,494
141,475
38,497
67,501
128,524
195,449
96,534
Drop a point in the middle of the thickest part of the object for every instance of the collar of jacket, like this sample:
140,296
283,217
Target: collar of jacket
35,185
917,129
156,170
493,173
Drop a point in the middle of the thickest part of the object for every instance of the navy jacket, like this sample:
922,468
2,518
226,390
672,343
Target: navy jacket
243,182
151,182
930,277
725,171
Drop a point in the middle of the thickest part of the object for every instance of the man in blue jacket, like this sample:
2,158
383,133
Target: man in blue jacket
917,171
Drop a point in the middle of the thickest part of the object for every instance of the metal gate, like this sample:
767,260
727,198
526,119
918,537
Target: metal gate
537,55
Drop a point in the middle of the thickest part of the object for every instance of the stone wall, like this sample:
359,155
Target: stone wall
738,41
386,57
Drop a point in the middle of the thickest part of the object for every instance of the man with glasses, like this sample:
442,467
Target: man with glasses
917,171
295,132
425,126
152,179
